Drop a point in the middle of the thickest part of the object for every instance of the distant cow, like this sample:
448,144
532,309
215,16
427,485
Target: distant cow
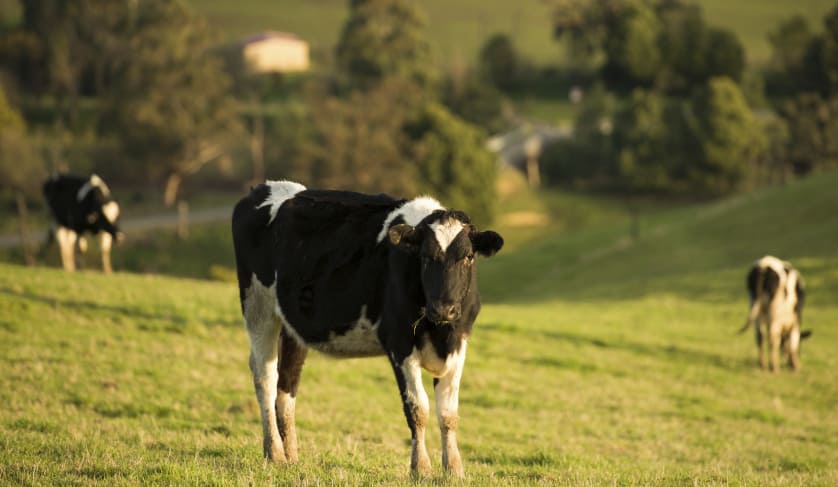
776,311
354,275
79,205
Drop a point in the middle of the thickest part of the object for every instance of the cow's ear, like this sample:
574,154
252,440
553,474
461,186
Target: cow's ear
486,243
405,237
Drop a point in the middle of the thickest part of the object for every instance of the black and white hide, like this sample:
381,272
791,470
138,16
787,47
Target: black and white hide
355,275
776,310
81,205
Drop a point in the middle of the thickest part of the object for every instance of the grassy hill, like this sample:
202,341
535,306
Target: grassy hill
597,359
458,29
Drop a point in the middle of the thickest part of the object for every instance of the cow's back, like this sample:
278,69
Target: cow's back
320,250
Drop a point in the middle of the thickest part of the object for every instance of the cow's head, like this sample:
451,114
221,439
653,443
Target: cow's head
446,243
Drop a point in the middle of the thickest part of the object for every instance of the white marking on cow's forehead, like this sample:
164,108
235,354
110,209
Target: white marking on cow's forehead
446,231
94,182
111,211
413,212
280,191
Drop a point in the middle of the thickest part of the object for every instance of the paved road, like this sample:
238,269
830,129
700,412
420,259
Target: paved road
138,224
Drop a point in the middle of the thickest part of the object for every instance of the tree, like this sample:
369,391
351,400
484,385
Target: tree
169,104
382,39
358,143
475,101
813,125
789,41
631,45
21,169
498,62
452,161
641,135
727,134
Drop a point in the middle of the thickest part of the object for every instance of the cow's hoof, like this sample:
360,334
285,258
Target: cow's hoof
422,469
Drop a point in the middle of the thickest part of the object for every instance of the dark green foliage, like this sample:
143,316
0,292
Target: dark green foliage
381,39
21,168
452,162
665,44
813,132
586,159
169,104
475,101
727,134
702,146
790,42
803,61
631,46
499,62
357,142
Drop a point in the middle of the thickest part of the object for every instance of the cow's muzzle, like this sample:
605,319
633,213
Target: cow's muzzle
443,313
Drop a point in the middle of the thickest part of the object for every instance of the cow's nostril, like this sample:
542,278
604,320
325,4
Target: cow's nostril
452,312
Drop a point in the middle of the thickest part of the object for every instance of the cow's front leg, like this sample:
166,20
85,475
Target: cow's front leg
105,244
447,394
292,358
415,402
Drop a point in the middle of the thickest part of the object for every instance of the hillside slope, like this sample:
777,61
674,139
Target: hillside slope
596,361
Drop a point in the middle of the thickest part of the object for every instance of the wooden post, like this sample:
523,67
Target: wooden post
183,220
532,150
23,228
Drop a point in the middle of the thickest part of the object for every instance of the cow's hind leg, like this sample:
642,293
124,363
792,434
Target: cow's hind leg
760,338
292,358
794,349
263,329
67,246
416,405
447,393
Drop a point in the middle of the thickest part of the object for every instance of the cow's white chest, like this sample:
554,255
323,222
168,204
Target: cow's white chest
439,367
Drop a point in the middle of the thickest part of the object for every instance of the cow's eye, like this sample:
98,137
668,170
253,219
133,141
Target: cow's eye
469,259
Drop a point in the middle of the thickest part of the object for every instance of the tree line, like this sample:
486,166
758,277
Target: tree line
140,92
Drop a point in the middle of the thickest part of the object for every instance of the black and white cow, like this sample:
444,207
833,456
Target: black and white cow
776,309
79,205
354,275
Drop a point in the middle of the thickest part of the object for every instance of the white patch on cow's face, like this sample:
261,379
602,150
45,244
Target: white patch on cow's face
94,182
413,212
280,192
446,232
111,211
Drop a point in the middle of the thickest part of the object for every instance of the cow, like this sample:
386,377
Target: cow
356,275
80,205
776,310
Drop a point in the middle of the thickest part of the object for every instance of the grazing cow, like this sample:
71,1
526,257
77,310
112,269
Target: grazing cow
776,309
78,205
354,275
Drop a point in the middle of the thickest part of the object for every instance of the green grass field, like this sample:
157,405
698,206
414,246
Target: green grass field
598,359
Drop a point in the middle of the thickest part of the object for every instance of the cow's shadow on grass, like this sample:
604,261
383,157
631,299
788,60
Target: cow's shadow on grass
171,321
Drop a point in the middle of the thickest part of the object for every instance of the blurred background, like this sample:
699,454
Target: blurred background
536,116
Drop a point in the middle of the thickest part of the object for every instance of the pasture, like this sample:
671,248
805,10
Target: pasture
597,359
